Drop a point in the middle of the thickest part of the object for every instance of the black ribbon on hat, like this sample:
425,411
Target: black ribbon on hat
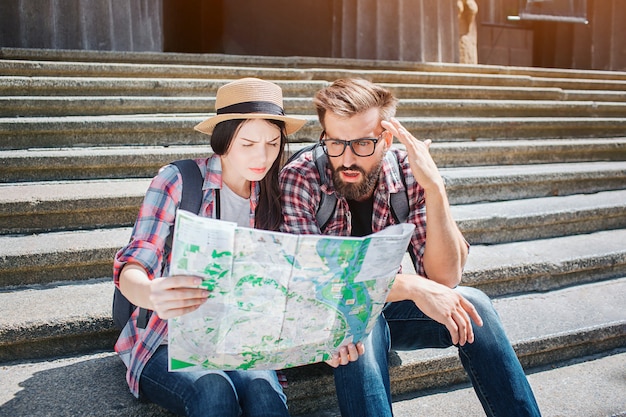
253,107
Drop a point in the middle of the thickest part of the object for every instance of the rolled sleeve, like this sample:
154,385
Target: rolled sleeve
152,227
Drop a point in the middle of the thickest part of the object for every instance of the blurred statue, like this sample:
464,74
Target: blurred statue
468,50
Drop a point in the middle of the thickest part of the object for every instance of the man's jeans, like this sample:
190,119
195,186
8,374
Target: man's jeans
363,387
218,393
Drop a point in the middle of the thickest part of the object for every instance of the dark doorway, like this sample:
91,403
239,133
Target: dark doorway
194,26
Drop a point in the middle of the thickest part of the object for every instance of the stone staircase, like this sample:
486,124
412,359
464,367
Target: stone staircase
534,162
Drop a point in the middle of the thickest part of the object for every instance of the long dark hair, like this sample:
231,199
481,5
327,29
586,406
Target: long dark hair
268,213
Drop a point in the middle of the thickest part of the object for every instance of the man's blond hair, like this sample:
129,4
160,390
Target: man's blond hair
347,97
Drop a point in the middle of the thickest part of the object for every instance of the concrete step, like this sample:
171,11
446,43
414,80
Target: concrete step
30,106
135,87
80,255
589,95
581,387
538,218
33,207
139,130
509,182
20,86
64,387
59,256
177,129
545,329
57,319
110,162
477,128
144,161
100,69
13,106
294,62
546,264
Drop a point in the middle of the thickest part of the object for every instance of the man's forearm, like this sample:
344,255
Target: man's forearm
446,250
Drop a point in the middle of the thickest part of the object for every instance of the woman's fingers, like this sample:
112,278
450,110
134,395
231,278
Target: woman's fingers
177,295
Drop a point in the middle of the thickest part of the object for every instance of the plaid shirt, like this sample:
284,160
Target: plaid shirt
301,191
157,213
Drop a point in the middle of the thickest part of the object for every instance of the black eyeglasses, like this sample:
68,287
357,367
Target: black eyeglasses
359,147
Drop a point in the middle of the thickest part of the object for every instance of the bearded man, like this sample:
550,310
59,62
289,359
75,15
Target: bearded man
426,309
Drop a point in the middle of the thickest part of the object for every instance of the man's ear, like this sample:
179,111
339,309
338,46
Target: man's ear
388,138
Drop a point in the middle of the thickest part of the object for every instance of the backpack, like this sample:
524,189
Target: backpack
399,202
191,200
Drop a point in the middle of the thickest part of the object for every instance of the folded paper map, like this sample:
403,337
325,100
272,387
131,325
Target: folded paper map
277,300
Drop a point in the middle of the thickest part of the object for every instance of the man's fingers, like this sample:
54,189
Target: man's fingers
461,326
470,331
397,129
454,331
353,354
463,320
471,311
334,361
346,354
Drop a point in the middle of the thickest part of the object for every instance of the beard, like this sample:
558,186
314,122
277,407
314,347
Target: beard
358,190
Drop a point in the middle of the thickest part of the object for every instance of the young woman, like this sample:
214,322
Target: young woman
248,135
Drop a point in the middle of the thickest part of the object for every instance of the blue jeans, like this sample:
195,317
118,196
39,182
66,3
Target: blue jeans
363,387
212,393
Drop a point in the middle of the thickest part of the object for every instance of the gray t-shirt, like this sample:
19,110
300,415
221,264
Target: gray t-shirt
233,207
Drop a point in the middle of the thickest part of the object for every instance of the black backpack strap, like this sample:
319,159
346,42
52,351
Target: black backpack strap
328,202
399,202
191,200
191,197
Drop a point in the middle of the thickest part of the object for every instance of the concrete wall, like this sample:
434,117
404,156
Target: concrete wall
277,27
598,45
411,30
118,25
406,30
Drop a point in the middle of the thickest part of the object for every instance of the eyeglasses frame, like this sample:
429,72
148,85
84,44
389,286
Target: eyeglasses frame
348,143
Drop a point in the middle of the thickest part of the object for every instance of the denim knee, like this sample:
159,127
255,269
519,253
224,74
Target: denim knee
262,399
479,300
212,391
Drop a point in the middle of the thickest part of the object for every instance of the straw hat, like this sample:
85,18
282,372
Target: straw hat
250,98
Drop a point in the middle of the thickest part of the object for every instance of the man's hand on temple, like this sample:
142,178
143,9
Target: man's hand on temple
422,164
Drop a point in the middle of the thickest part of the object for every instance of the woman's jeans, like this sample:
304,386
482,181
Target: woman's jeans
363,387
212,393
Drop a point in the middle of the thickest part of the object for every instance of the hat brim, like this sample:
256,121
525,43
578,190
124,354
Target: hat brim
292,124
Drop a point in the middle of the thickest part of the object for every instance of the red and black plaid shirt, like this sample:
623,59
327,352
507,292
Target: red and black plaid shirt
157,213
301,191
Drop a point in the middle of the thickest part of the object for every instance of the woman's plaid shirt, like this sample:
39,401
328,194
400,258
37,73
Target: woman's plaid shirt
157,213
